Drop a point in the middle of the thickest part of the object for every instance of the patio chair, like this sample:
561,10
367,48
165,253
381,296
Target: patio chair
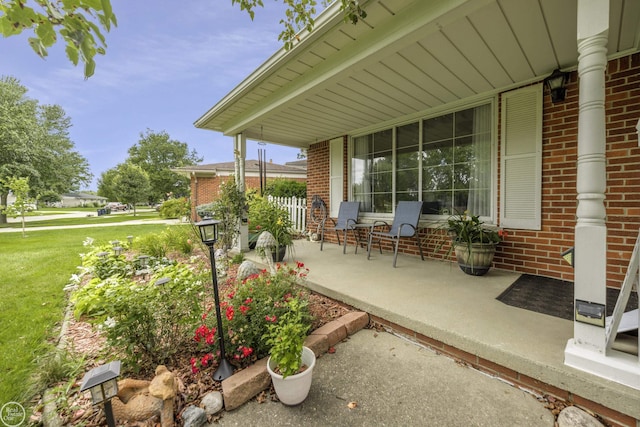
405,225
347,219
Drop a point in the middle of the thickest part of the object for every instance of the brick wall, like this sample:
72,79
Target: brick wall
538,252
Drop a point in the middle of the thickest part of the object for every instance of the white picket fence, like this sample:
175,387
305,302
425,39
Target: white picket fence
297,208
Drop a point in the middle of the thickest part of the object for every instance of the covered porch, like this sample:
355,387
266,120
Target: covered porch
435,303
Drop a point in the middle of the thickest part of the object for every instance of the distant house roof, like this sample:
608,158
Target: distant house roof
296,169
83,196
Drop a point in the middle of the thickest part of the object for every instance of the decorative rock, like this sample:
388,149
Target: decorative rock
572,416
212,403
246,269
193,416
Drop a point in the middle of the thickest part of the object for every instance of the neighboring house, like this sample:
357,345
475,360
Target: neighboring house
74,200
447,102
205,180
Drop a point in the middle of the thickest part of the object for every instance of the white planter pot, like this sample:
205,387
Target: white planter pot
294,389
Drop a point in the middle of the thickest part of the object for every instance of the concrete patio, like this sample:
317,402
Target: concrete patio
435,303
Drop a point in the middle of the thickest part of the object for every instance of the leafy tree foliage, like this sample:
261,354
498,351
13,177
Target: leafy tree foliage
78,22
35,144
131,184
156,153
81,22
106,186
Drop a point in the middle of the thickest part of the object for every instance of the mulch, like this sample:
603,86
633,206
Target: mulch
552,296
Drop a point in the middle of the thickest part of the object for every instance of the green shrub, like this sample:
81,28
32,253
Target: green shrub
286,188
175,238
147,322
175,208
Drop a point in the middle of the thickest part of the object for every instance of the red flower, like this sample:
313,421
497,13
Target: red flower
243,309
210,338
229,313
271,319
206,358
246,351
194,367
248,301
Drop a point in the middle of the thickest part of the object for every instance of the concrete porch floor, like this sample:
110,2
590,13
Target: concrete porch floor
435,303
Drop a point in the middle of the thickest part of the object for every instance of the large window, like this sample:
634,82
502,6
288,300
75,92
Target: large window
444,161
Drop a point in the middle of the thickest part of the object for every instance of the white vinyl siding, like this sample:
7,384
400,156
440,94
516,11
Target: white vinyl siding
521,159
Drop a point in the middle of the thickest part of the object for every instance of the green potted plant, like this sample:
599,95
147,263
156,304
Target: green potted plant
473,243
265,215
290,363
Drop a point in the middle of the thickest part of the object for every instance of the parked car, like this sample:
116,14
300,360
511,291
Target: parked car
116,206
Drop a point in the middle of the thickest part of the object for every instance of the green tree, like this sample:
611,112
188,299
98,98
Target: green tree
156,153
20,189
81,22
106,186
34,143
78,22
131,184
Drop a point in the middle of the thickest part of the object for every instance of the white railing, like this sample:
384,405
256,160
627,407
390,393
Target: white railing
630,282
297,208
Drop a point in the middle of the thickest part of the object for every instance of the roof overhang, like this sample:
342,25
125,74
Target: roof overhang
407,58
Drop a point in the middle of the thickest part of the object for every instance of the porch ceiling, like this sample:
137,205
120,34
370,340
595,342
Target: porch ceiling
406,58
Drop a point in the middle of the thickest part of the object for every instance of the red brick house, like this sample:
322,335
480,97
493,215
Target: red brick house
447,102
205,180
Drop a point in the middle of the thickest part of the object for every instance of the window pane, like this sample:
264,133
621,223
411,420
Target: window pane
371,171
456,169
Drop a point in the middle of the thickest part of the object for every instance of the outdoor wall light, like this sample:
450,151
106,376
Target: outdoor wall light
117,250
209,234
556,83
103,385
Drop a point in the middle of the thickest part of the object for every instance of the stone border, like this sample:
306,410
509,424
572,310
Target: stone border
247,383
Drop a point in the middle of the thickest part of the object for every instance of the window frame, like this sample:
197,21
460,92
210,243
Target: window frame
420,118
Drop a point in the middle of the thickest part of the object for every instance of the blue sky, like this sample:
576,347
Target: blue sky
167,63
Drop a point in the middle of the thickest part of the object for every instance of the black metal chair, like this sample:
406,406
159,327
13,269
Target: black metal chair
347,219
405,225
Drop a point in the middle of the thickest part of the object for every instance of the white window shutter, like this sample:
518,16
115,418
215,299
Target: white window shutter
521,159
336,175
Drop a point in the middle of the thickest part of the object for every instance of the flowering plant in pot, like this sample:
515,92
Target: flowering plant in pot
473,242
265,215
290,363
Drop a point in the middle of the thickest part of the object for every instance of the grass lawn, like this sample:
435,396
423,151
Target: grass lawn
36,269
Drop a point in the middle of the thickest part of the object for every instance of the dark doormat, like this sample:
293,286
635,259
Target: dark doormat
552,296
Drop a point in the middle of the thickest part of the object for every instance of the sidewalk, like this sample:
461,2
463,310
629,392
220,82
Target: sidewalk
394,382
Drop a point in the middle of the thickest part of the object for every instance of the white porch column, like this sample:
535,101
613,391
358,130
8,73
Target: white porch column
587,350
240,154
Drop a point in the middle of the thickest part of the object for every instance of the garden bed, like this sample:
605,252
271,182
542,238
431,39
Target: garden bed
89,342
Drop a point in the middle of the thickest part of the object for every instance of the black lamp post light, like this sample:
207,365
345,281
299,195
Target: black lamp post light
103,384
209,234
